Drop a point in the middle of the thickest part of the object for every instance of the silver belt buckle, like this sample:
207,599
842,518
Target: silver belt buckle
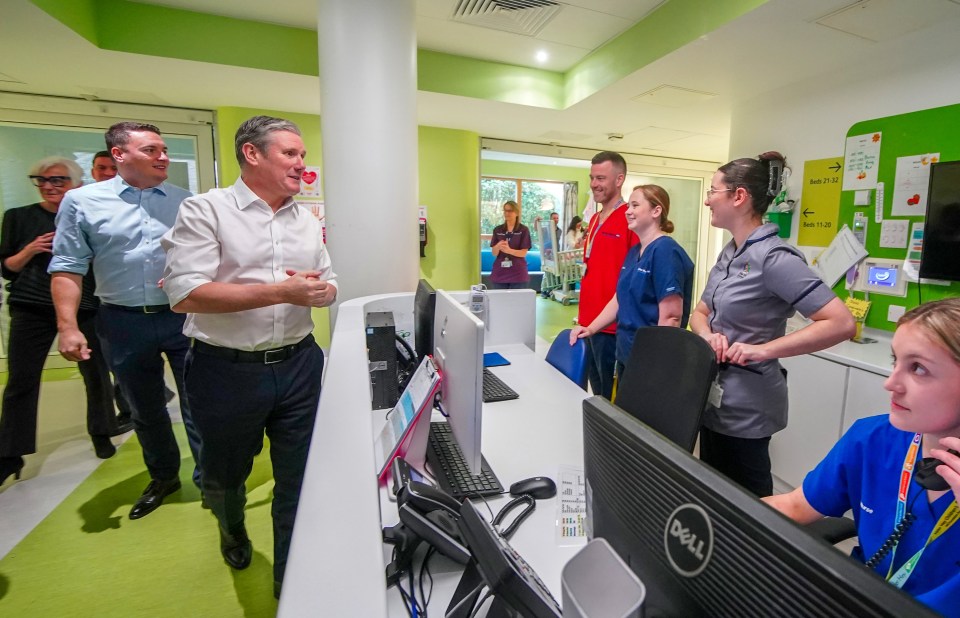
271,357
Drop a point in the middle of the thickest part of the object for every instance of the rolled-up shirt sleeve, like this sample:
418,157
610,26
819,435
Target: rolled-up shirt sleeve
192,248
71,250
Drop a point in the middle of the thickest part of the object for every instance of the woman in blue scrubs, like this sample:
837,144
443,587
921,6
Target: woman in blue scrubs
656,279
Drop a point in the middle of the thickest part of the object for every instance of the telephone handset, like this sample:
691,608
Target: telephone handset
926,473
432,515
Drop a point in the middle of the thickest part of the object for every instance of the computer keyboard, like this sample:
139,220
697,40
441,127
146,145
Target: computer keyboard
495,389
450,469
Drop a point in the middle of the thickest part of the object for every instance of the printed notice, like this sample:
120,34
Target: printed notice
860,161
571,507
910,186
819,202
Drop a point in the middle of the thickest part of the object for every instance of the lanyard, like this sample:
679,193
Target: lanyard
593,229
945,522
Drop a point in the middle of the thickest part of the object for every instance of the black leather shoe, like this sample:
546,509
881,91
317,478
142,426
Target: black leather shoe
152,497
236,548
103,447
122,427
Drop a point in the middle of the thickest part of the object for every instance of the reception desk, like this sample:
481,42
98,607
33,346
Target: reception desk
337,558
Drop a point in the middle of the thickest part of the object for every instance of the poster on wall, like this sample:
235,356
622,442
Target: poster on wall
310,182
318,210
819,202
910,186
860,161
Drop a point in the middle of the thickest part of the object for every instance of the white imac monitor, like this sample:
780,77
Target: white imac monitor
458,354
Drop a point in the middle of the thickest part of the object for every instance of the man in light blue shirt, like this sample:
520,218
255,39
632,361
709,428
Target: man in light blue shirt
117,225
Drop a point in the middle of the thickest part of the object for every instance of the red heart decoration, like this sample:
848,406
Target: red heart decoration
913,201
309,177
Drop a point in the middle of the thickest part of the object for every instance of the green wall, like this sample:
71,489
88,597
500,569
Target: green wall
533,171
449,180
450,189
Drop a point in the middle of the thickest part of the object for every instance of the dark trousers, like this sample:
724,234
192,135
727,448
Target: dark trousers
32,331
603,355
745,461
233,403
136,342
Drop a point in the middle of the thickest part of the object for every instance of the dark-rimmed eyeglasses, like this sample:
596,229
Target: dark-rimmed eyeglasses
710,192
56,181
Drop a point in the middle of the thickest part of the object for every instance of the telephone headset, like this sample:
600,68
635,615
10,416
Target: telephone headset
406,362
926,476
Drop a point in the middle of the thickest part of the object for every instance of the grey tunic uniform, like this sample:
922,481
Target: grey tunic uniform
750,293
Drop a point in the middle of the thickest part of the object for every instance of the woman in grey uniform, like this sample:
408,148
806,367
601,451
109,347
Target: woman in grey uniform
757,283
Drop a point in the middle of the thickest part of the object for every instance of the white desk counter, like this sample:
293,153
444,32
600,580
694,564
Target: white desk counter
337,559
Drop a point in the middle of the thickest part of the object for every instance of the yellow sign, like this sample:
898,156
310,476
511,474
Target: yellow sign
820,201
857,307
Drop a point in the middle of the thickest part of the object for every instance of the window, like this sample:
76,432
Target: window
538,198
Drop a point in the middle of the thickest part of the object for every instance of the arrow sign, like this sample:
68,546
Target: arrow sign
835,167
807,212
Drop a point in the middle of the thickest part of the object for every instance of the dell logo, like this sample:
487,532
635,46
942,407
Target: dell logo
688,539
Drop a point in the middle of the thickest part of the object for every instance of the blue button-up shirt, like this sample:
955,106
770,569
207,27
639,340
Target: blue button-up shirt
118,227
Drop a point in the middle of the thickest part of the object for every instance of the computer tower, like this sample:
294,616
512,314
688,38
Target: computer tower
382,356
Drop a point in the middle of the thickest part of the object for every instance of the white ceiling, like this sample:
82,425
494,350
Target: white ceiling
774,46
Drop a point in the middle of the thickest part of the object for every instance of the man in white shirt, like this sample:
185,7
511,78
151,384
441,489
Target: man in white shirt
246,263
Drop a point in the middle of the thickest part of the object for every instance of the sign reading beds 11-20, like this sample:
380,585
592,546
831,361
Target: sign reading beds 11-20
819,202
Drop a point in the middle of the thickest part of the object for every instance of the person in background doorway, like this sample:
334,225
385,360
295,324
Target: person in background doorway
116,226
604,248
509,243
757,283
656,281
556,227
247,264
864,469
103,166
26,242
573,239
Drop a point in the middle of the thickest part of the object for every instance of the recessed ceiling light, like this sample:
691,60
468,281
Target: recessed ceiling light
542,56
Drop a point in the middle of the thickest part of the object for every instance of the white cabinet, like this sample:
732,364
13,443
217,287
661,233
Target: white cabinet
865,397
817,388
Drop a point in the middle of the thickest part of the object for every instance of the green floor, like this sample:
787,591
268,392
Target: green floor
88,559
552,317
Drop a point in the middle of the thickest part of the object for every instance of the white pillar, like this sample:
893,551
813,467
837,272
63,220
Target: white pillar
368,85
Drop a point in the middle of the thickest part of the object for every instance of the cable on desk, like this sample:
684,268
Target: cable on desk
473,592
509,506
476,609
425,567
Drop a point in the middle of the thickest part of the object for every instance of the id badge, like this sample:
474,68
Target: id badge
716,394
506,263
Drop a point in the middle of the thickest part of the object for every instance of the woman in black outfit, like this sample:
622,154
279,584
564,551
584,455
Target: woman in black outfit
25,250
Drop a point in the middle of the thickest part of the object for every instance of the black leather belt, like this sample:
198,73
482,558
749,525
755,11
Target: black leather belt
141,309
266,357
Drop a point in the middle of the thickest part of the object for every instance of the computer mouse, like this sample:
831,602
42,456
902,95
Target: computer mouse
540,487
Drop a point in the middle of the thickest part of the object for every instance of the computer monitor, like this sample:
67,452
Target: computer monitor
704,546
424,303
941,232
458,354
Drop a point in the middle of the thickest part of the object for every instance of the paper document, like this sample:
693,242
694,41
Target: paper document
844,252
571,507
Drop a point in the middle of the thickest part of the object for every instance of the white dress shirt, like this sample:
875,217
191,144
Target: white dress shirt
232,236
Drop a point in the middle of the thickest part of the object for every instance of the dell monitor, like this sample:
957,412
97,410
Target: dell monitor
458,354
941,231
424,303
703,546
